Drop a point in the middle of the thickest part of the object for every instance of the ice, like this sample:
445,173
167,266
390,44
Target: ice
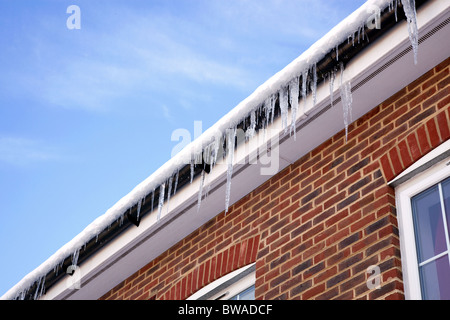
200,191
409,6
331,84
39,288
177,176
192,170
169,192
284,104
251,130
75,257
153,198
139,205
293,99
347,100
161,200
314,84
231,136
270,108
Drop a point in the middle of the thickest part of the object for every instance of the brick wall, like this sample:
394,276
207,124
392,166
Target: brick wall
315,228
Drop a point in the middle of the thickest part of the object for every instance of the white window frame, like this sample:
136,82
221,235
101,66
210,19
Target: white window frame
228,286
425,173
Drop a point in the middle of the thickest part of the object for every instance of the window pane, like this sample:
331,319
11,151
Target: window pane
248,294
436,279
429,226
446,191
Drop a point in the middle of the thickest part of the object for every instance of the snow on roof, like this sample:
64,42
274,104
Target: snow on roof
339,34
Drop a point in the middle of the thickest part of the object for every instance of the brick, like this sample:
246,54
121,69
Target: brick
338,278
414,146
444,126
348,201
349,240
433,133
387,168
314,291
435,98
421,116
424,144
301,288
395,161
358,185
404,153
312,195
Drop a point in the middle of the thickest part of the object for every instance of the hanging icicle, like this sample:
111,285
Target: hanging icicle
169,192
251,130
200,191
177,176
314,84
138,210
153,198
161,200
409,6
192,169
293,99
331,84
231,136
347,100
284,104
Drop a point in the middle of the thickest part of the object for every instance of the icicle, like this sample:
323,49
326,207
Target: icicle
176,182
192,170
293,99
347,100
121,219
169,192
314,85
395,10
273,100
39,288
304,84
267,106
231,136
75,256
208,186
284,104
332,78
337,53
409,6
138,210
200,191
161,200
153,198
251,131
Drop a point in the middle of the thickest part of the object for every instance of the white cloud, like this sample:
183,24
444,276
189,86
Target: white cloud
21,151
137,52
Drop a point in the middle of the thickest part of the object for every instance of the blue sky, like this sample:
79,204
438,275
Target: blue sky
86,115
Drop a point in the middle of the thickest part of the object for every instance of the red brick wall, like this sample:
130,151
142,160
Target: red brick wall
316,227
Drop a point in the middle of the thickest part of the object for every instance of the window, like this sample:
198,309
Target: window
237,285
247,294
431,216
423,203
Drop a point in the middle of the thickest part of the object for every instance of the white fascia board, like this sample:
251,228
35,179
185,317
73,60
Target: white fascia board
136,247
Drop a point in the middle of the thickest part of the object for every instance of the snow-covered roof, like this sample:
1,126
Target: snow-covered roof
277,84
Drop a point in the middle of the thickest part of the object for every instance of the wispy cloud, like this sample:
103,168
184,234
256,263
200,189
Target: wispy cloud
143,50
21,151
